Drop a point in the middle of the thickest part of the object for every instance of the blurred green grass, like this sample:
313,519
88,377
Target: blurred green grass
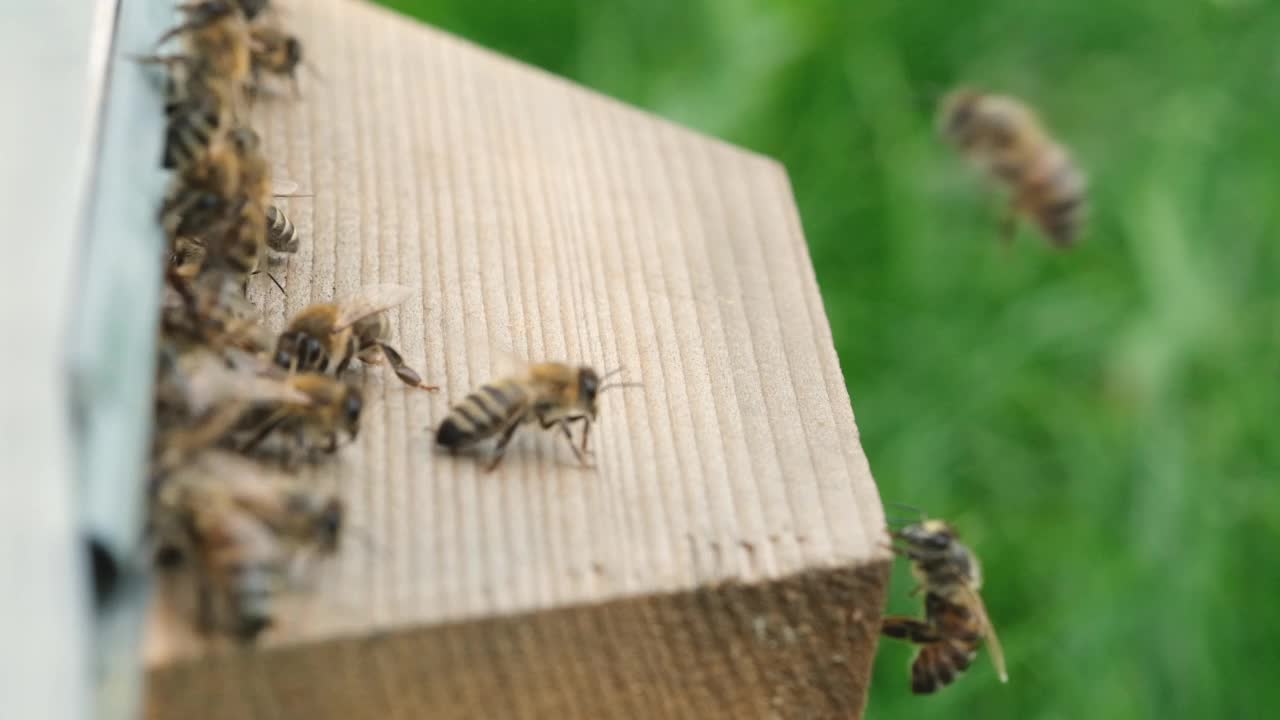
1098,423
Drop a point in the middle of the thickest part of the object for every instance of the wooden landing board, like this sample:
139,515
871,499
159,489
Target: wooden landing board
726,552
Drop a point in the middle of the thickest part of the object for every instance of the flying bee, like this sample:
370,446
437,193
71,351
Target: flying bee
331,407
552,394
274,51
282,236
1005,139
325,337
955,619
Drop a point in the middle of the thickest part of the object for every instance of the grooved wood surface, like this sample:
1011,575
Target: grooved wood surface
537,220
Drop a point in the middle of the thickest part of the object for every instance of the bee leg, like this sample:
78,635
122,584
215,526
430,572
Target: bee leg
579,454
910,629
406,374
500,449
586,433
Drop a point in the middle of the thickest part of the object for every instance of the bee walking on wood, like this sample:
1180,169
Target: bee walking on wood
1004,138
325,337
552,394
955,620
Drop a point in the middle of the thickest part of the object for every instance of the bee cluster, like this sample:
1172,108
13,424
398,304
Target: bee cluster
219,396
230,394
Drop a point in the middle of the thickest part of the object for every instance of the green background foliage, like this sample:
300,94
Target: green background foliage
1098,423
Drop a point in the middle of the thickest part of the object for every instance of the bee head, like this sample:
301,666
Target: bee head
929,537
958,110
352,405
588,389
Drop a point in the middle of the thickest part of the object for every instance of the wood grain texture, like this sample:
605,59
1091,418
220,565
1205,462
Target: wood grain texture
723,559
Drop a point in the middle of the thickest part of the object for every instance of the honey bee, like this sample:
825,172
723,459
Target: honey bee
214,311
242,524
203,394
282,236
297,512
325,337
955,620
553,394
240,564
204,190
217,35
197,108
1004,138
274,51
331,407
222,201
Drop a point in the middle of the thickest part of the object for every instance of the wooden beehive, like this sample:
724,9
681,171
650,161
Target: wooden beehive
723,559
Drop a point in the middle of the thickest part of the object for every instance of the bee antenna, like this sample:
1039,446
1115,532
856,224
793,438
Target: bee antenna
619,385
611,373
277,282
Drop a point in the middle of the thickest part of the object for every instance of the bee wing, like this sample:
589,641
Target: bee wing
213,383
266,389
371,300
989,634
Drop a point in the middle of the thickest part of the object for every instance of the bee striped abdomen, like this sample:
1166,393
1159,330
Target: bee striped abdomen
190,130
480,415
281,234
938,665
1060,211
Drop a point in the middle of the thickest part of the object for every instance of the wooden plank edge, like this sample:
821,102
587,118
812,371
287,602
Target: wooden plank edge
800,646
